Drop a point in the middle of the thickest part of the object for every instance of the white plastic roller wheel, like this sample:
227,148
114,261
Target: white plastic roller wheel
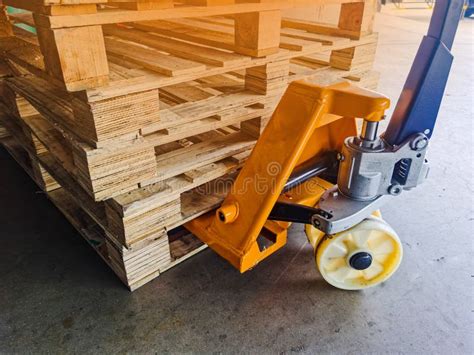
361,257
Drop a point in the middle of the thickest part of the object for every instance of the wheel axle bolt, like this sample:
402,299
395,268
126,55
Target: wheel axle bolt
360,261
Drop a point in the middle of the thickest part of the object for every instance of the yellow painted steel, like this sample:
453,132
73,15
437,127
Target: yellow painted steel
309,121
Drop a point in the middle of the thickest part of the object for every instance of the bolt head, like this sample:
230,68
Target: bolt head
361,261
420,143
395,190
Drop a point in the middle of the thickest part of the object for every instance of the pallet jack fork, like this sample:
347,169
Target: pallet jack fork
287,178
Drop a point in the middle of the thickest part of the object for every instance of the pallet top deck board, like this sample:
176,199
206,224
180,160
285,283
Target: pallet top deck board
114,15
179,48
152,59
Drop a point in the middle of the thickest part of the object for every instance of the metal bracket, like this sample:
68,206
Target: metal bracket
366,173
296,213
344,211
335,212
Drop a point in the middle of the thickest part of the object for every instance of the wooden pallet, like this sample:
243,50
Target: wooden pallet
139,214
156,97
134,266
158,244
118,168
68,29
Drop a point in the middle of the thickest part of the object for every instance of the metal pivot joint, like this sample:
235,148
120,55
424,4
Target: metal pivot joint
368,178
366,173
373,168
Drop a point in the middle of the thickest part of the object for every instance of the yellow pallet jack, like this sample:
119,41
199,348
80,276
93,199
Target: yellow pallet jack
311,166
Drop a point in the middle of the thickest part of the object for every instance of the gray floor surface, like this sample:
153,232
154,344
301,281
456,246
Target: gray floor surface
57,295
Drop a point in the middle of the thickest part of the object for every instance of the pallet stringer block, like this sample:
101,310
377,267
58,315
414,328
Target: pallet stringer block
257,33
355,20
357,16
268,79
76,56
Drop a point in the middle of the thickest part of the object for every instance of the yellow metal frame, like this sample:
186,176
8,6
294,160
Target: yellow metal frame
309,121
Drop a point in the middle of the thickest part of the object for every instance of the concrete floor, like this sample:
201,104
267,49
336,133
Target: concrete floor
57,296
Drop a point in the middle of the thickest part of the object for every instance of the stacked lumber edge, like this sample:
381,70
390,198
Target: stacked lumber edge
135,116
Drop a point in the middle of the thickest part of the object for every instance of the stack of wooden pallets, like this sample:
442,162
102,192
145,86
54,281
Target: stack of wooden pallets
134,116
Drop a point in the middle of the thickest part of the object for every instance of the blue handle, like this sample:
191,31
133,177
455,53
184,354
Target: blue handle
419,102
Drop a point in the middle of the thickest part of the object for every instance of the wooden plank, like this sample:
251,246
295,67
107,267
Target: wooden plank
141,5
182,160
152,59
49,103
179,48
24,54
320,29
118,16
215,39
194,111
323,39
19,3
149,81
26,18
293,43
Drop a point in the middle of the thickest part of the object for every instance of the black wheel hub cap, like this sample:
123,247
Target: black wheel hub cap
360,261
